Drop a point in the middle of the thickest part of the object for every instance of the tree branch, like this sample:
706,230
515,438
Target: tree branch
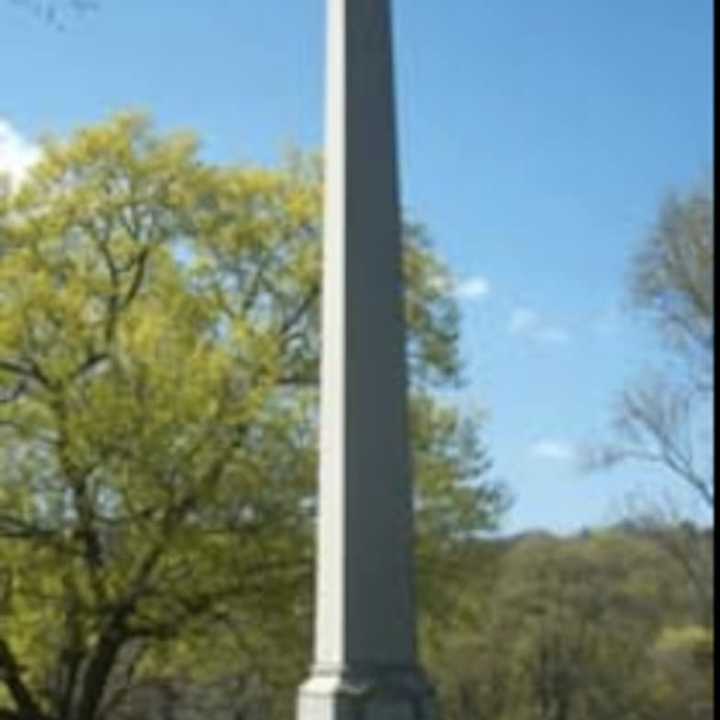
11,675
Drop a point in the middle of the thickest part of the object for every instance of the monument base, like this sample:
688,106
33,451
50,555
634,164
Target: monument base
377,693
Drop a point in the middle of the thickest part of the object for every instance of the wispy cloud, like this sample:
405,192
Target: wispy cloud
528,323
553,450
552,334
523,320
17,153
473,288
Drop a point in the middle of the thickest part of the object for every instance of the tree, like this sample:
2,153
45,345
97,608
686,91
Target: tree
665,419
688,545
158,390
683,673
672,280
565,629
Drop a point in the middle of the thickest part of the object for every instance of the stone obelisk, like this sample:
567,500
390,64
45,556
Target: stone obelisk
365,665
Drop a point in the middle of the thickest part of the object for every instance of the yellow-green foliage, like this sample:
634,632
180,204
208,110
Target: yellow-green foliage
158,366
588,628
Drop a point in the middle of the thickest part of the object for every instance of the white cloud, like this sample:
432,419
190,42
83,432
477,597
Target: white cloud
528,323
473,288
552,335
553,450
16,153
523,321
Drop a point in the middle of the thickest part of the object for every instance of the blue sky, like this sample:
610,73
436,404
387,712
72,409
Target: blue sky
537,140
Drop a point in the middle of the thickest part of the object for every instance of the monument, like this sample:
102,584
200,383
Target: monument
365,663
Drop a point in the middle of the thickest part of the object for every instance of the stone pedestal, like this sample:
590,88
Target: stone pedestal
365,636
381,693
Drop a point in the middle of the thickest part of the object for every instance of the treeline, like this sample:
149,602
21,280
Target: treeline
600,626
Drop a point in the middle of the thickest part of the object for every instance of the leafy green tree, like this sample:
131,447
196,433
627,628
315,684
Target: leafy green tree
559,629
158,390
683,673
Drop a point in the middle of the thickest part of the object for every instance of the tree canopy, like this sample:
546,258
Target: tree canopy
158,389
593,627
664,420
671,281
672,273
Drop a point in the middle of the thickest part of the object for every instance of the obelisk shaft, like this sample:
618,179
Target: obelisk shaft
365,614
365,611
